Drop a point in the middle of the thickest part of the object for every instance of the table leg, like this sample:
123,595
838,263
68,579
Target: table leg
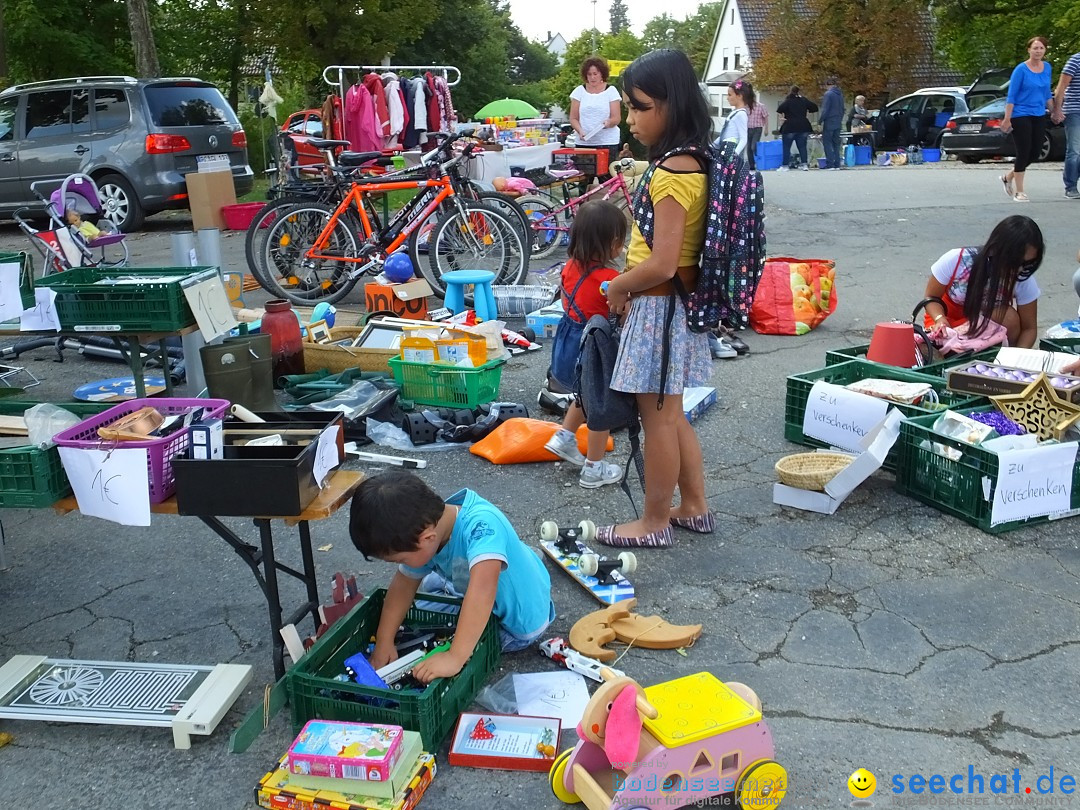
134,361
309,571
273,599
163,354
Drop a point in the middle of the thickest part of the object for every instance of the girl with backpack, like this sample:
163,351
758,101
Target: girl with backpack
597,235
658,355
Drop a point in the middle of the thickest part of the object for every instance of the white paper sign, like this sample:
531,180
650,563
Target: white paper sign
110,484
839,417
551,694
1034,482
11,306
210,305
43,316
326,454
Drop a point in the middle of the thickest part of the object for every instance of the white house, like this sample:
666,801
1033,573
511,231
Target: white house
556,46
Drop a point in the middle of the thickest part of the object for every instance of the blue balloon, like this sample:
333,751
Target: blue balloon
398,267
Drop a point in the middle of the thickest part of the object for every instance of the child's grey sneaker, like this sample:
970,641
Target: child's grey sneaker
564,445
720,348
597,473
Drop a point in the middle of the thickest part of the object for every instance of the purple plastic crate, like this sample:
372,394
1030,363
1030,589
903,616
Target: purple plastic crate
160,452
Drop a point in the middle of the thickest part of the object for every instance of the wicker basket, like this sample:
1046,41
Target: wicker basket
810,470
336,359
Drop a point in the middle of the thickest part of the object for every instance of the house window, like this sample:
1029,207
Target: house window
738,59
732,17
725,55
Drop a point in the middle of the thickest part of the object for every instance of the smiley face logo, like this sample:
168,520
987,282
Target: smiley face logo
862,784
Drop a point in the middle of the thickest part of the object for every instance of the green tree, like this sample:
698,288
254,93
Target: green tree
48,40
693,35
619,17
624,45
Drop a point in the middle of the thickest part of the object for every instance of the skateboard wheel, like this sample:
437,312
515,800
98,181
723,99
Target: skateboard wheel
588,530
549,530
588,564
628,563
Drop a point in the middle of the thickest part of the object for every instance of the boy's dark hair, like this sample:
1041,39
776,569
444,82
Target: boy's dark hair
997,267
598,225
598,62
390,511
666,76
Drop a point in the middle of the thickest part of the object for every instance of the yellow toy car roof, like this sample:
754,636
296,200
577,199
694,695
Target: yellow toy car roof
695,707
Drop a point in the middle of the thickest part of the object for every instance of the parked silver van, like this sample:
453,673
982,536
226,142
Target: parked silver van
136,137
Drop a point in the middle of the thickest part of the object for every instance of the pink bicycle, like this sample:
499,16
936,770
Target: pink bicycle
550,219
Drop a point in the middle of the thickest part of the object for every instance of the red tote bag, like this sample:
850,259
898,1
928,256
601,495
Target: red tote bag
794,296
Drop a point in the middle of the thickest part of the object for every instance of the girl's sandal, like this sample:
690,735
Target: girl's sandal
702,524
658,539
1021,197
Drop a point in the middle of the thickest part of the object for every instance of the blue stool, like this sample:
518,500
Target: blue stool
483,297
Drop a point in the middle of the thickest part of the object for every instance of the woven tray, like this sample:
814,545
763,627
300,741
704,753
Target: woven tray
336,359
810,470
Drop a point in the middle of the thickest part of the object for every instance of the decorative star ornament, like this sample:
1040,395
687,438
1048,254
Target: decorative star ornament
1039,409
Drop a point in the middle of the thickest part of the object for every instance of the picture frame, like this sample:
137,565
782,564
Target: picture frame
380,335
507,742
319,332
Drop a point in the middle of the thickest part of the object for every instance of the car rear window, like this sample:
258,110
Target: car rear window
188,106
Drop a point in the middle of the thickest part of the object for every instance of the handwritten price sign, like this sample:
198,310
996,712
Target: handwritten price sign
210,304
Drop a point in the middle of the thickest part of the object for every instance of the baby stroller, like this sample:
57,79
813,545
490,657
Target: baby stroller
71,241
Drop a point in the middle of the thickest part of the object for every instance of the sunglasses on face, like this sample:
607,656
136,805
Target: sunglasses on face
1027,269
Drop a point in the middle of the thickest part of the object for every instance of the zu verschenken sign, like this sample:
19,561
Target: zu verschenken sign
839,417
1034,482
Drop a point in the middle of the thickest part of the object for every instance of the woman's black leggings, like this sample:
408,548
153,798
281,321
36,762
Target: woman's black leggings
1028,133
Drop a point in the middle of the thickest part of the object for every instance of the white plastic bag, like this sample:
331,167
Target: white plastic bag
46,420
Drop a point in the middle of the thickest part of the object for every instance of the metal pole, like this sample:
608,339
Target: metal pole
185,255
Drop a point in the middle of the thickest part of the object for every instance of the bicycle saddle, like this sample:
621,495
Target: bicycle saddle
322,143
356,158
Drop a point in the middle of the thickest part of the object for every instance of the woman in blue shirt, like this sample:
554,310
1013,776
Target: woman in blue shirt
1026,107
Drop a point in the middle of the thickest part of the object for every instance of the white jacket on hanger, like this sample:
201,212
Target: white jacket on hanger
394,104
419,110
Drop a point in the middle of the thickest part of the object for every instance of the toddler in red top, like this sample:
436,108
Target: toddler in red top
597,238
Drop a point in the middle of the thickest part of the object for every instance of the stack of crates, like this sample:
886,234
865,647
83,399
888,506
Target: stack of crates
769,155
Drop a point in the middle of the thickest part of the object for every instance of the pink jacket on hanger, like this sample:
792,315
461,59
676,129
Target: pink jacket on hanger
360,130
375,86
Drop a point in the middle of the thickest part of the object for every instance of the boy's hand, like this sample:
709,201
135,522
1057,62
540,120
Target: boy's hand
440,665
383,655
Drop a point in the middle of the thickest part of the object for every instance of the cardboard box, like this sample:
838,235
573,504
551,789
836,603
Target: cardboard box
545,321
962,379
207,192
207,439
349,751
875,446
408,300
275,792
698,400
411,748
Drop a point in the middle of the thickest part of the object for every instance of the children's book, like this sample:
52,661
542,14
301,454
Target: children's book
276,792
412,746
505,742
361,751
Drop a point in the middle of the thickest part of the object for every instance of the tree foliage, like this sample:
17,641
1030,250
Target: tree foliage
693,35
622,46
859,41
619,17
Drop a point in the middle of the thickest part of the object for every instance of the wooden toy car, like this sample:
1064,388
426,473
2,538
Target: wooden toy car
678,742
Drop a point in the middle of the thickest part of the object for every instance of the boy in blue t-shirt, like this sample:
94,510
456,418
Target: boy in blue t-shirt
464,547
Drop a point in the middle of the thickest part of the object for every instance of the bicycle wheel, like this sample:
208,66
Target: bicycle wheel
258,230
477,238
548,224
505,204
285,270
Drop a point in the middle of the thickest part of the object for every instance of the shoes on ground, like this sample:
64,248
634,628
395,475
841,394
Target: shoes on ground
1005,181
1072,194
564,445
720,348
598,473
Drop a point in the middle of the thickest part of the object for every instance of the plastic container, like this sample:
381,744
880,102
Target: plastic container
445,386
799,385
938,369
26,275
955,486
142,304
862,155
314,693
518,300
931,155
29,476
767,149
240,216
1066,344
286,342
160,452
769,162
821,163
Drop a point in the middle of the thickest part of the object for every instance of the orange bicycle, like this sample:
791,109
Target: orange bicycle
315,251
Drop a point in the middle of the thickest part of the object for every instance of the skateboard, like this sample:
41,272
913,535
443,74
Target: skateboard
603,577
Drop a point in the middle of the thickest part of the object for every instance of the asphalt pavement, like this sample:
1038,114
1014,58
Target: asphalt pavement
888,636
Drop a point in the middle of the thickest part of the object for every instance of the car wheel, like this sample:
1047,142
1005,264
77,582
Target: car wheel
122,207
1044,150
969,158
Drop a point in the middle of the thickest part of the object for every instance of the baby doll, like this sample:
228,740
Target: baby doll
88,230
514,185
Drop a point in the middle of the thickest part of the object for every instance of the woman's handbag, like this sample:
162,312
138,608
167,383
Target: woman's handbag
955,340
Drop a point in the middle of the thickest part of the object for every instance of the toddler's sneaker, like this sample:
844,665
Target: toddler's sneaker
597,473
564,445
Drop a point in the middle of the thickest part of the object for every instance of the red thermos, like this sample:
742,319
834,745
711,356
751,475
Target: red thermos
286,344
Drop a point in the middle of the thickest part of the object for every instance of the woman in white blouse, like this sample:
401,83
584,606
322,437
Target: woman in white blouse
595,108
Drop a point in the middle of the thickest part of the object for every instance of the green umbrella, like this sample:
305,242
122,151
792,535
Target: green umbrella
506,107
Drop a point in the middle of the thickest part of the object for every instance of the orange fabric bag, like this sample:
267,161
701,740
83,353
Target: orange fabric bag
520,441
793,296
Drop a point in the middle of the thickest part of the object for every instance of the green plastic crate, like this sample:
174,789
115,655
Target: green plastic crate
26,275
799,385
82,304
314,694
1068,344
938,369
29,476
956,486
448,386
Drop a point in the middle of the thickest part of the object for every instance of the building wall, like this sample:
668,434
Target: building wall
730,38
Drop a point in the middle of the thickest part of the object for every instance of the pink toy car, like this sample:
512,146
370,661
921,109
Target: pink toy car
681,741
